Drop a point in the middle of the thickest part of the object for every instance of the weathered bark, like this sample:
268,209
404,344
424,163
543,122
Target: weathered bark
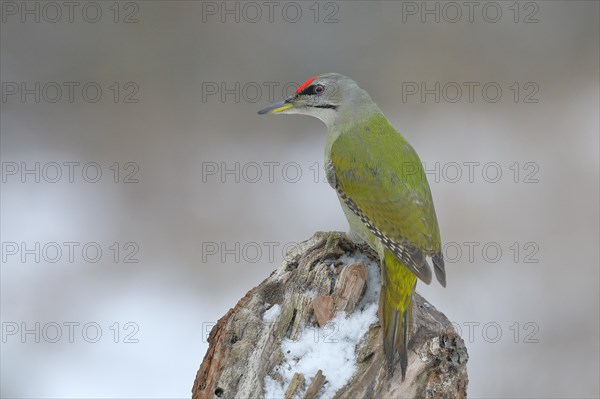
312,285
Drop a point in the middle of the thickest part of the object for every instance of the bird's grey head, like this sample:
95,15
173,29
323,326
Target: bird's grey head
326,97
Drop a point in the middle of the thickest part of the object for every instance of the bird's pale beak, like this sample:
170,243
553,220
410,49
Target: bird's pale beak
277,107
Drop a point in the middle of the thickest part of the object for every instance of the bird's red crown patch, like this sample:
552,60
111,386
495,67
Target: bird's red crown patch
305,84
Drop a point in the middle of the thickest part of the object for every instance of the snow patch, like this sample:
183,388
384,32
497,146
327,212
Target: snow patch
272,313
273,390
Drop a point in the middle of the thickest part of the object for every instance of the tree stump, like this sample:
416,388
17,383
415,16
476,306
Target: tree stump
310,330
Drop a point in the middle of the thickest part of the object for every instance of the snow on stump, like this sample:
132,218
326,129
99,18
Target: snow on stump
311,330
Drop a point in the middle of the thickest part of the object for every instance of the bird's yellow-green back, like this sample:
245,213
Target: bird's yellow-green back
379,169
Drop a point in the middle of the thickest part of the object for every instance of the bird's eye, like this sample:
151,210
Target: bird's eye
319,89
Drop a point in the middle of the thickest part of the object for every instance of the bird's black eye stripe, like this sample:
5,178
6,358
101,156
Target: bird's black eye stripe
309,90
326,106
312,89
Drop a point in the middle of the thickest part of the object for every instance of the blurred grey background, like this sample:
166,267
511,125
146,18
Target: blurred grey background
169,118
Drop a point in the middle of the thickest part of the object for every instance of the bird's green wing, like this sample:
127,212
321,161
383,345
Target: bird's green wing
380,178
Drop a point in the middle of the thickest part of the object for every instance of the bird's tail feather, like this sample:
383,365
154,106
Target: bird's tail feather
396,330
396,313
